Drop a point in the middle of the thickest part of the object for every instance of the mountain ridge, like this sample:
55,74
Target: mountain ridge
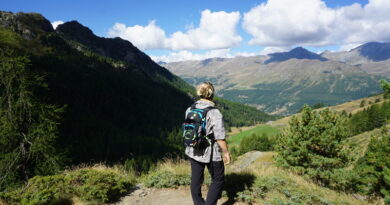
285,84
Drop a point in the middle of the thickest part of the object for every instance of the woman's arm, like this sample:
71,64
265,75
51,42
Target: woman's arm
225,151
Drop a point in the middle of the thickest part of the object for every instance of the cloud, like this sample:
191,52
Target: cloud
56,23
187,55
216,30
278,23
268,50
144,37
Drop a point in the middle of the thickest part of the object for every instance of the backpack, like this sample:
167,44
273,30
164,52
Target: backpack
194,128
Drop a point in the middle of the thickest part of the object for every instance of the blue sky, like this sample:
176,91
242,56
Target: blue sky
170,30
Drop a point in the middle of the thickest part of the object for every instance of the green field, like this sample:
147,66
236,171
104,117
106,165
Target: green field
259,130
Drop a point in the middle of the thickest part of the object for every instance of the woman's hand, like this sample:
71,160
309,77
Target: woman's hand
226,158
226,155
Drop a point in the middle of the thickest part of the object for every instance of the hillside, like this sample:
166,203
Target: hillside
280,83
118,103
349,107
272,128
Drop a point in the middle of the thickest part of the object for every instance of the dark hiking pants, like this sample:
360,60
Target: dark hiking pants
216,170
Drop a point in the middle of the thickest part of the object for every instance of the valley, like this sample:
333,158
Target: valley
280,83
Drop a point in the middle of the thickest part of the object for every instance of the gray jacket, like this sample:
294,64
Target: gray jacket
214,124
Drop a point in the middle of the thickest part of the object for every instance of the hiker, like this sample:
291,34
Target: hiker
214,154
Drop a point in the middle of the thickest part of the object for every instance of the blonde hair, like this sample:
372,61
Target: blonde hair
205,90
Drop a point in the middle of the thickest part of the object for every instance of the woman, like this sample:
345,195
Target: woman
218,151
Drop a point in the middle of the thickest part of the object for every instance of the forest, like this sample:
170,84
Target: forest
60,106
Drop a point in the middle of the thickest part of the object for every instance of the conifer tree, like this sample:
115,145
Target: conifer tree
373,167
313,145
386,88
28,127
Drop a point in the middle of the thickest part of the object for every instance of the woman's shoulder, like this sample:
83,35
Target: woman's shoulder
215,113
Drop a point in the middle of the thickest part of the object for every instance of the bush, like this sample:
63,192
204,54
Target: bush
256,142
313,145
165,179
284,191
90,185
362,103
140,164
386,88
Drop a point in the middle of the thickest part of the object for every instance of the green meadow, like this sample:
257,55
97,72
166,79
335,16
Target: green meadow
259,130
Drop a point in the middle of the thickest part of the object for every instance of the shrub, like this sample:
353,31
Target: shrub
284,191
255,142
140,164
90,185
362,103
165,179
313,144
234,151
386,88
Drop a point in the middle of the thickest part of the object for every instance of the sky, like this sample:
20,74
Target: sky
175,30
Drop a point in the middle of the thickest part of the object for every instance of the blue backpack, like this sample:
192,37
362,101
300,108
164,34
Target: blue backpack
194,128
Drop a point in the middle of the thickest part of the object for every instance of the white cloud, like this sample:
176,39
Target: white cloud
187,55
268,50
217,30
278,23
56,23
144,37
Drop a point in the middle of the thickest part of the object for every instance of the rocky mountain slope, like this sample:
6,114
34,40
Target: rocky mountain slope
281,83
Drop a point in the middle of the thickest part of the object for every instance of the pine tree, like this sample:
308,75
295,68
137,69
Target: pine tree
28,127
373,167
313,145
386,87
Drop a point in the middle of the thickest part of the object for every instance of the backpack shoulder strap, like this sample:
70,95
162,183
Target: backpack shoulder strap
207,109
193,106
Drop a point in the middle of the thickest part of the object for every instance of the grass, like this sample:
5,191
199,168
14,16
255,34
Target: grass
348,107
81,185
360,142
259,130
354,106
260,183
280,181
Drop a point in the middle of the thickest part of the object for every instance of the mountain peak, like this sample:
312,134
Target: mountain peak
27,24
75,29
298,53
375,51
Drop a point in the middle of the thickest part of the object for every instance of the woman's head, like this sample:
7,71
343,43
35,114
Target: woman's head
205,90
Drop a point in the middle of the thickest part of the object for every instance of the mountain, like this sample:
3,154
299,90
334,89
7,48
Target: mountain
366,53
119,104
114,106
118,49
298,53
375,51
281,83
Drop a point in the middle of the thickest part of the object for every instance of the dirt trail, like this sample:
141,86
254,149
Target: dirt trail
181,196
